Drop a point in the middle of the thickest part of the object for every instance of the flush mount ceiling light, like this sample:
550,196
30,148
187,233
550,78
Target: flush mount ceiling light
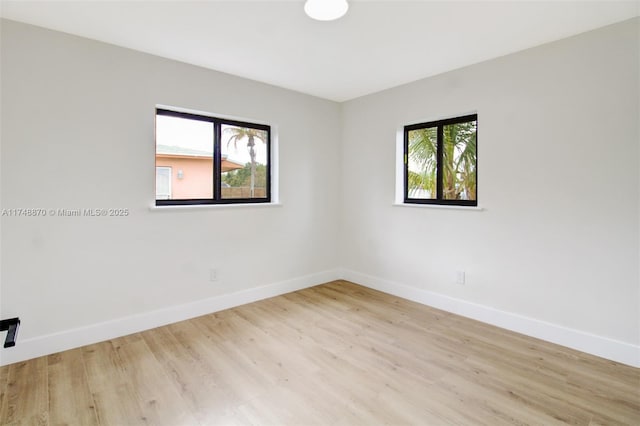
326,10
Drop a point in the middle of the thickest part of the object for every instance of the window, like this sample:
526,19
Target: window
163,183
208,160
440,162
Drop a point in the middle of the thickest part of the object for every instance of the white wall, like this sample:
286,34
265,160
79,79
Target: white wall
77,132
557,241
558,140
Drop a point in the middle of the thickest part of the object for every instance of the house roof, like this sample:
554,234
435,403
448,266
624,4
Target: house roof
178,150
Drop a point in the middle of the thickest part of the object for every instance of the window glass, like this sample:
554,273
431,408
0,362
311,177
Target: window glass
423,155
459,165
244,162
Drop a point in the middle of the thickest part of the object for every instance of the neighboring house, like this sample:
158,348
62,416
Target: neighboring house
183,173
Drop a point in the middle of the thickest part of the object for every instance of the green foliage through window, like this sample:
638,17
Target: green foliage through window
242,177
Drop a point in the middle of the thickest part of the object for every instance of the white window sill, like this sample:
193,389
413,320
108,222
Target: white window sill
185,207
439,206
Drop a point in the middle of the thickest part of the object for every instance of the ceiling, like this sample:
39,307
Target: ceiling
377,45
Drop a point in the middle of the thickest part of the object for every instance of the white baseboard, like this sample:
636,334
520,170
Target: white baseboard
69,339
596,345
604,347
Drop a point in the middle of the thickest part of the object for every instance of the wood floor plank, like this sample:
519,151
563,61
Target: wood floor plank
160,401
70,399
194,374
4,396
334,354
115,398
27,401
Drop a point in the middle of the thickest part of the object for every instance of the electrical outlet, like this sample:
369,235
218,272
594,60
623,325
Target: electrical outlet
460,277
213,274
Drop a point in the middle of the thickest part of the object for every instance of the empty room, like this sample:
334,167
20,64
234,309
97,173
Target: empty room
319,212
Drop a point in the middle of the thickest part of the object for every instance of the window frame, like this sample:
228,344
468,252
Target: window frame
217,160
438,124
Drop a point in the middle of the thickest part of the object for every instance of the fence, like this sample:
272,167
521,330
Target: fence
243,192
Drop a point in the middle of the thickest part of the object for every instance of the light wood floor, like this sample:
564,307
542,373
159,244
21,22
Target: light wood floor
335,354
